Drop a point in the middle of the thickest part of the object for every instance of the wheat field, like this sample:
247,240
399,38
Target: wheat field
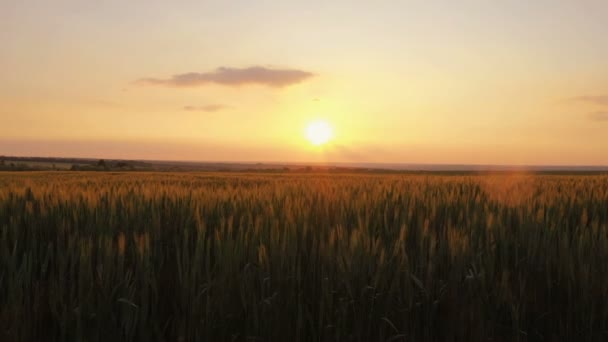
302,257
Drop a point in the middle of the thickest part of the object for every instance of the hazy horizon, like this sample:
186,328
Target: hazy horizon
403,166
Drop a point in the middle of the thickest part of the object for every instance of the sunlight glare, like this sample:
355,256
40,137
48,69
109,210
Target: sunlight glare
319,132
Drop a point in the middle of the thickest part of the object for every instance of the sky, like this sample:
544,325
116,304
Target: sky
451,82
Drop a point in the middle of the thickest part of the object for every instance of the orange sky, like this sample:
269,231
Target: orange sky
399,81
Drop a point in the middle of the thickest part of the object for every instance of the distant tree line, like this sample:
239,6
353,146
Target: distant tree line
102,165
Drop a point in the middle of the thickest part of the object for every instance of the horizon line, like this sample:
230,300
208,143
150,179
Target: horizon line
362,164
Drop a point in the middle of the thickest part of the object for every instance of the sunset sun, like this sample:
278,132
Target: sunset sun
319,132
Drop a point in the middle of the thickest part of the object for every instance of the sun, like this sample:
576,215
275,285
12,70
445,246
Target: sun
319,132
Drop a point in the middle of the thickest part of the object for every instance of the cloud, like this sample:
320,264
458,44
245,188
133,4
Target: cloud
234,77
206,108
599,116
594,99
102,103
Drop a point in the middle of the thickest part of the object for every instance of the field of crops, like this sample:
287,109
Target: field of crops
302,257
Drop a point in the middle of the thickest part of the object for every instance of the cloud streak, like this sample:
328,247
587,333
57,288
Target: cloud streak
599,116
594,99
207,108
234,77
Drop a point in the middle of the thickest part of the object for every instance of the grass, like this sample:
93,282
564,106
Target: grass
308,257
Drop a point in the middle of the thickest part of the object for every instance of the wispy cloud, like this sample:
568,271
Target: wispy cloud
594,99
101,103
277,78
207,108
599,116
